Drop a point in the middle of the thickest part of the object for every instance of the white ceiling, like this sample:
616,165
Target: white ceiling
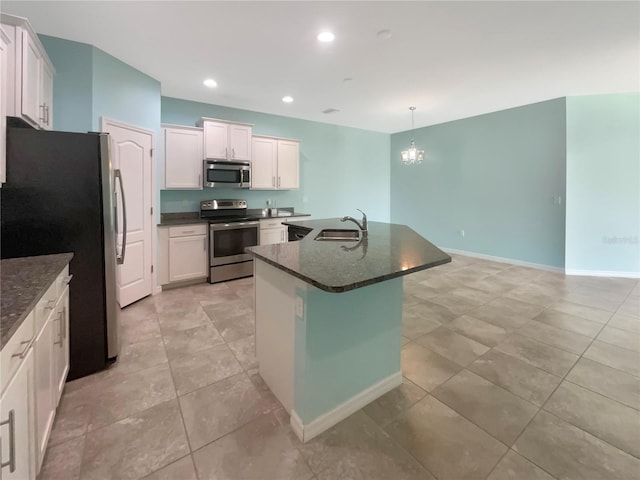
449,59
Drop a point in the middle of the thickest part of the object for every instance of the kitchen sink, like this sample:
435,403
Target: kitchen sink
338,235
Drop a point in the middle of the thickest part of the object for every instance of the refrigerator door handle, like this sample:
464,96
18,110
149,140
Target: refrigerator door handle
120,256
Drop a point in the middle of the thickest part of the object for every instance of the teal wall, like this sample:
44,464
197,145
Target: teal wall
341,168
493,176
73,83
124,94
345,343
603,183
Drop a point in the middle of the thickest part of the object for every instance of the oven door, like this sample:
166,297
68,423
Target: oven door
226,174
227,242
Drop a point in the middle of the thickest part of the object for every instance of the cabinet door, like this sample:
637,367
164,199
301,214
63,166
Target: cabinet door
47,97
288,164
61,346
4,73
187,258
183,158
240,142
31,105
272,235
16,406
216,138
43,386
263,163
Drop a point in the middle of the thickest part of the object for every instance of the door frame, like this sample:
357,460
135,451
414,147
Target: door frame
104,121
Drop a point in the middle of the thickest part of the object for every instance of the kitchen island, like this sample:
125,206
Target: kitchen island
329,318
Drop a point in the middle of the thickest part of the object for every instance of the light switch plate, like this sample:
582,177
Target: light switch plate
299,307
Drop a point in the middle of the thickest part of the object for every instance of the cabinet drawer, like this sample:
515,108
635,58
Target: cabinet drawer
187,230
15,350
272,223
47,303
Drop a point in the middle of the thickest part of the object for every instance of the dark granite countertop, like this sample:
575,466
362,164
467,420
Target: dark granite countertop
388,251
23,282
186,218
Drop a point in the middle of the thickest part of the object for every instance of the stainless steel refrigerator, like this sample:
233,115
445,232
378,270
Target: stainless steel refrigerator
59,197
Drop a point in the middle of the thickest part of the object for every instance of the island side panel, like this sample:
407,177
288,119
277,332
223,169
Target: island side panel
275,317
347,352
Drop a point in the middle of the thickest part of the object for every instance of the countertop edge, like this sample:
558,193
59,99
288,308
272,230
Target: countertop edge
6,336
350,286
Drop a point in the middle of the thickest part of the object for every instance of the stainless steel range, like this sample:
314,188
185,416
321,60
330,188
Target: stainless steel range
230,232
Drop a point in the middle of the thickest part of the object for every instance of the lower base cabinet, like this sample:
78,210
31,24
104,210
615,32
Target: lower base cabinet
183,253
45,408
30,398
16,424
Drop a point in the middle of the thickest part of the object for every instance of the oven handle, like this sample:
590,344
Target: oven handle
232,226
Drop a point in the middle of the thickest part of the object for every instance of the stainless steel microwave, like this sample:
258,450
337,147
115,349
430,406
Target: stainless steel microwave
218,173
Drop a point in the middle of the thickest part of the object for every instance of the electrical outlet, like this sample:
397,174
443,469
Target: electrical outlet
268,202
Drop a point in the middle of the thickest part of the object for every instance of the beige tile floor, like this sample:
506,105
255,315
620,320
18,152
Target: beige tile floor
509,373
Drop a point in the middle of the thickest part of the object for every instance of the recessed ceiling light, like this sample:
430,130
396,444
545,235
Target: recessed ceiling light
287,99
326,37
210,82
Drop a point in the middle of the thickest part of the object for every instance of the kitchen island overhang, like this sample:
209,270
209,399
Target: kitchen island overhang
329,318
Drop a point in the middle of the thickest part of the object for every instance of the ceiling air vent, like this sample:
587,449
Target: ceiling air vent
331,110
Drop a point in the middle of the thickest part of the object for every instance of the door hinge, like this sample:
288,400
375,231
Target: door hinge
151,268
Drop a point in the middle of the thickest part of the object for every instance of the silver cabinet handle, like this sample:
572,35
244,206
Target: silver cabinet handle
188,231
233,153
199,179
226,152
11,421
205,243
278,181
64,322
23,353
273,181
60,319
43,116
46,108
120,257
50,305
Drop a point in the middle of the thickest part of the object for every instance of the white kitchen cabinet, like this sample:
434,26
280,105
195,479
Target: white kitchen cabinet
61,345
16,423
5,44
275,164
44,387
183,157
30,88
288,164
273,231
226,140
264,163
183,253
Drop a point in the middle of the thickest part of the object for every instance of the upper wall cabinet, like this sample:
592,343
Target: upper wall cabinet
275,164
29,87
183,157
5,45
226,140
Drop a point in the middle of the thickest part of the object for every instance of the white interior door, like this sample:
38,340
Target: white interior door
131,154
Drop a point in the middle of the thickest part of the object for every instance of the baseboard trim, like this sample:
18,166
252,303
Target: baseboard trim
510,261
342,411
602,273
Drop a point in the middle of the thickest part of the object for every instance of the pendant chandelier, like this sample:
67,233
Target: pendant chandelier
412,155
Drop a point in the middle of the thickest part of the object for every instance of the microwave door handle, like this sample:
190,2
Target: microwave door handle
120,257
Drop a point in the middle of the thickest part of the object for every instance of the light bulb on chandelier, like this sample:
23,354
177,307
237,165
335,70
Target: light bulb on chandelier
412,156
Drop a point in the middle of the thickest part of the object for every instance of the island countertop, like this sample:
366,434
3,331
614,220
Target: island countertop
23,282
388,251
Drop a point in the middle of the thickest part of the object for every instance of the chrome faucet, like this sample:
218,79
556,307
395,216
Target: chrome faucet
362,226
